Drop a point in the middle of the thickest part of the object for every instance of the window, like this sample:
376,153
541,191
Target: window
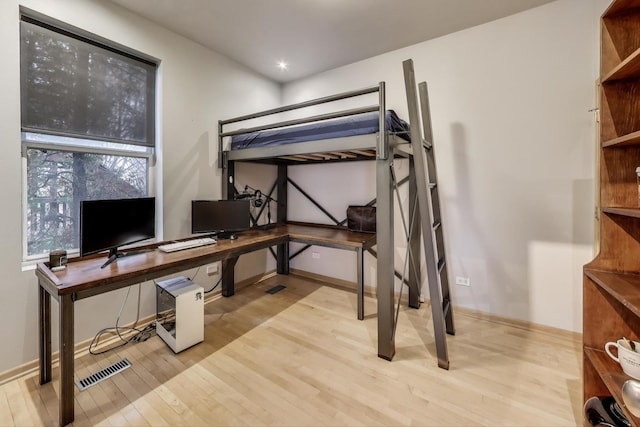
88,127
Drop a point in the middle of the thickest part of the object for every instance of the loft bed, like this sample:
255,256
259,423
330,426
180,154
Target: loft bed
336,136
382,143
366,133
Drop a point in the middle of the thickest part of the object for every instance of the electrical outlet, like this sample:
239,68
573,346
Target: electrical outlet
315,255
462,281
212,269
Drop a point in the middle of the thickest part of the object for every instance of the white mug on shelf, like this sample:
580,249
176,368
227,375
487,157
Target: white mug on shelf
628,359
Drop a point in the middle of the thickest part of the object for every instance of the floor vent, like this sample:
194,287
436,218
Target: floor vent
275,289
103,374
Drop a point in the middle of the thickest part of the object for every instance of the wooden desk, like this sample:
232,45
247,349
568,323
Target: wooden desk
84,278
337,237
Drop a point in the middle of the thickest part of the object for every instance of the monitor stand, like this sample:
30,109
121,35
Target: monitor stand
224,235
114,255
265,226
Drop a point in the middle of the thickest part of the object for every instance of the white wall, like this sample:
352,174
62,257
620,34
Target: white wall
515,149
514,146
196,88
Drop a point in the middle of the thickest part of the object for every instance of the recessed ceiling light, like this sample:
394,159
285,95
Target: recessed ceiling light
282,65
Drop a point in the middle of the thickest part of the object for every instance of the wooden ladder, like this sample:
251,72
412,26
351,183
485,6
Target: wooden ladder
428,210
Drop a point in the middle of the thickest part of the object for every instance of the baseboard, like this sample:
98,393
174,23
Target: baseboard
476,314
82,348
331,281
521,324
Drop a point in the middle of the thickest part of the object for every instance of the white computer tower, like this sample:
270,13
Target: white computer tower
180,313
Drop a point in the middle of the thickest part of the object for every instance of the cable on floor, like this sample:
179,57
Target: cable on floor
141,335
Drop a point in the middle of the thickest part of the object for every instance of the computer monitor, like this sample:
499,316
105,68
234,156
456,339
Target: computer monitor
106,225
220,217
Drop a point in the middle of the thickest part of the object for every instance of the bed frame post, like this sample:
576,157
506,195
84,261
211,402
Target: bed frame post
228,180
228,168
220,152
282,249
382,148
385,240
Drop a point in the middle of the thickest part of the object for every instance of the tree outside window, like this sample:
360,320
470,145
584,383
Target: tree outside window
58,180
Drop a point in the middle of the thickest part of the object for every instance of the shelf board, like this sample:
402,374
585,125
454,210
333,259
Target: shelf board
612,376
624,287
630,212
624,140
628,68
620,7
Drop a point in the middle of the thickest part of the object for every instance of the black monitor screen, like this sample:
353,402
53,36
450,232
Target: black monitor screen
108,224
219,216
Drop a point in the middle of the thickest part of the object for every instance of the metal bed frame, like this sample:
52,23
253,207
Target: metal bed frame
382,148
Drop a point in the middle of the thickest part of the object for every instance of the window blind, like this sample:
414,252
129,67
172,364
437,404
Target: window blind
79,88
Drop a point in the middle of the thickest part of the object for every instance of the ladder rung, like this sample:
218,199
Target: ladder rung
432,185
436,225
446,306
426,144
441,264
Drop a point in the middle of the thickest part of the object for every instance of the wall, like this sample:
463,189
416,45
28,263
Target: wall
196,88
515,149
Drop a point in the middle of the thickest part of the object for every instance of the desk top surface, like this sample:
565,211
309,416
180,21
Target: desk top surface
85,274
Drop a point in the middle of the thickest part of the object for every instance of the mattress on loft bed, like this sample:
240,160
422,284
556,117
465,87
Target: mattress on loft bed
360,124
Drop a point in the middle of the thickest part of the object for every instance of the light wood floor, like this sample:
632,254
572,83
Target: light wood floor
301,358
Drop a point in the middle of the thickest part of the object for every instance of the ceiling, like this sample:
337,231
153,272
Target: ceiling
312,36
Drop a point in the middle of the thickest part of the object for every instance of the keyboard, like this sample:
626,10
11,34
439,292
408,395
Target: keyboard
187,244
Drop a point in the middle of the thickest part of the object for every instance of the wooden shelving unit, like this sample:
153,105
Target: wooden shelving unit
611,307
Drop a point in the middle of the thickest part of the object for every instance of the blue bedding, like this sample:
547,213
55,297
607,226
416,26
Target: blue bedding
360,124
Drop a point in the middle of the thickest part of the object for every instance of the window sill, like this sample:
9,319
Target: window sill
31,263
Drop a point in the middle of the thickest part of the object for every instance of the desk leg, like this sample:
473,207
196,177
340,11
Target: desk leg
44,331
360,290
228,277
283,258
66,359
